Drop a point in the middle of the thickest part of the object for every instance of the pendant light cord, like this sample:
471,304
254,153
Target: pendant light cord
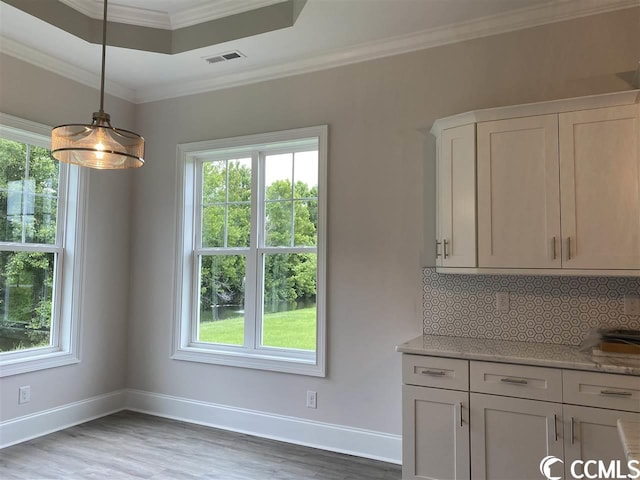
104,55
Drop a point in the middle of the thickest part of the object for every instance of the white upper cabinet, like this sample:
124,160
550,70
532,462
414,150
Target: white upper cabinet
456,243
518,193
600,193
557,188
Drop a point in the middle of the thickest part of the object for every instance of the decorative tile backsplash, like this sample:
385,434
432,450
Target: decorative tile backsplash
556,310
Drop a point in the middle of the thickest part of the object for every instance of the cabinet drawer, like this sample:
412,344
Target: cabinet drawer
605,390
521,381
435,372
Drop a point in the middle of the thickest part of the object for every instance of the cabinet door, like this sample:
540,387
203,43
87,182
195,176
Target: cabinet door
510,436
600,185
457,197
592,434
435,434
518,193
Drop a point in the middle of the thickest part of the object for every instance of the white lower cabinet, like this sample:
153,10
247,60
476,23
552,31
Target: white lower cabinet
592,434
509,436
436,433
496,421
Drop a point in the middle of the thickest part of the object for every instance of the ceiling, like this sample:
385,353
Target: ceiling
326,33
168,14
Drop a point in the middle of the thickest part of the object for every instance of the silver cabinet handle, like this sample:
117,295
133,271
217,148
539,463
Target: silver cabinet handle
568,248
514,381
446,244
555,254
573,423
434,373
555,425
616,393
460,410
437,245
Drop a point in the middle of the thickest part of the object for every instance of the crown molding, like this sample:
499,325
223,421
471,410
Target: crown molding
85,7
137,16
551,12
62,68
122,13
215,9
172,20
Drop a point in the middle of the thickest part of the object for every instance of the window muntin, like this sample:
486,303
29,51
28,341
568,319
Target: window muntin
252,252
28,193
225,203
41,207
291,198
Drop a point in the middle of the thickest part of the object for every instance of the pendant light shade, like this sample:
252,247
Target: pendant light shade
98,145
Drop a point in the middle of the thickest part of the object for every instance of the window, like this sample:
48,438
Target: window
39,254
251,251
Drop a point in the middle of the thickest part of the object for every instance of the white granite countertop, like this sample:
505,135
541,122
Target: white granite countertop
630,436
525,353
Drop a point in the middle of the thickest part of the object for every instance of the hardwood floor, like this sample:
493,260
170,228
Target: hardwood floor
129,445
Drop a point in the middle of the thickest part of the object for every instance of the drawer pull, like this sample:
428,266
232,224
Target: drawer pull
615,393
434,373
573,428
514,381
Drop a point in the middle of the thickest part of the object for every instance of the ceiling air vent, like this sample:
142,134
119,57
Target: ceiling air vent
224,57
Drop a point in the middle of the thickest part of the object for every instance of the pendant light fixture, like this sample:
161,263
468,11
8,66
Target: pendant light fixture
98,145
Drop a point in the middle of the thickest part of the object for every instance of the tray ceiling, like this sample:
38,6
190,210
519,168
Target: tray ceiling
325,34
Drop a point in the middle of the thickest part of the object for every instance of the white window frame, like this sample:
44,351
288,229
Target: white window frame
65,329
190,159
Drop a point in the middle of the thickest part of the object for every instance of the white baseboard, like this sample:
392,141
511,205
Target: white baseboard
326,436
24,428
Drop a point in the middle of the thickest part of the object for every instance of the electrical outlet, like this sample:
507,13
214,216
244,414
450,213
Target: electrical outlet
632,306
312,399
24,394
502,301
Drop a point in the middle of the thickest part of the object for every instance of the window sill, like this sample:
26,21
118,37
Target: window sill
251,359
36,361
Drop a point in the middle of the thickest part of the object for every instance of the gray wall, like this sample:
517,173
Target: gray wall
40,96
381,201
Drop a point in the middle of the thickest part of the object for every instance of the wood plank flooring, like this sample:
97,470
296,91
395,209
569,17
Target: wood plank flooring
129,445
